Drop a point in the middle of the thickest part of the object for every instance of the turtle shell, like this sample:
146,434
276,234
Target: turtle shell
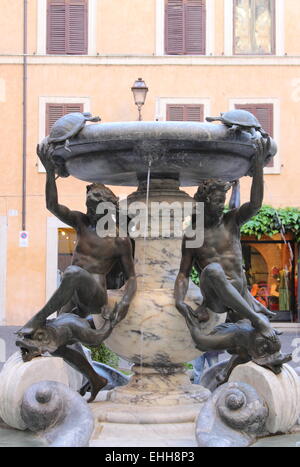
240,117
67,126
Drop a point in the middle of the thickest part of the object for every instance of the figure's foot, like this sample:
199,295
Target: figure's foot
31,326
93,387
96,386
85,388
268,333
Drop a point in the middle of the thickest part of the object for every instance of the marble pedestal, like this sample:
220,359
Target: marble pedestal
145,414
159,405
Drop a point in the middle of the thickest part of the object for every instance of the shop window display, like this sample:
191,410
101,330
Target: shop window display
271,275
66,244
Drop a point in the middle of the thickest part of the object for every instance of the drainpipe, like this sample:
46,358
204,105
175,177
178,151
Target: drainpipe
24,115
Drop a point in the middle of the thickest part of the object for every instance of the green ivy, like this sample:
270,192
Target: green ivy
195,276
270,221
102,354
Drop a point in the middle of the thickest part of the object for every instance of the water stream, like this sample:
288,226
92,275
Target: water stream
144,255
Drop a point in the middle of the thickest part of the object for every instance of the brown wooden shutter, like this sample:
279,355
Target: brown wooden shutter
195,27
194,113
56,111
56,27
68,108
174,25
77,27
264,114
185,27
185,112
67,27
175,113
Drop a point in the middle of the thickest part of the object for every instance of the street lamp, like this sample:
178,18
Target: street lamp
139,90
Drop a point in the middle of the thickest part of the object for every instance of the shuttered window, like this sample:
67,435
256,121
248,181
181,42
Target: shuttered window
67,27
185,27
56,111
264,114
185,112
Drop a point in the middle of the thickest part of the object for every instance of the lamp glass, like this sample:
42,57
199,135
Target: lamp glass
139,90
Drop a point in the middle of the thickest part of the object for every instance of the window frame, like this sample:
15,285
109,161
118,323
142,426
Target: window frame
42,29
279,31
160,30
276,169
43,101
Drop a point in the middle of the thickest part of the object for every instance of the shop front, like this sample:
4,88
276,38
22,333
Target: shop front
272,276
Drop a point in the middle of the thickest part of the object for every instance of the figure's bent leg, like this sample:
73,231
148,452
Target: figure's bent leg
81,364
76,282
219,289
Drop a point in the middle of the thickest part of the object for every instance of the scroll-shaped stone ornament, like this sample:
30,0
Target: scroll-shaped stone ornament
233,417
57,414
16,377
281,393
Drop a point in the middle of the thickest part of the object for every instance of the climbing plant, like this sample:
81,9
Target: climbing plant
103,354
268,221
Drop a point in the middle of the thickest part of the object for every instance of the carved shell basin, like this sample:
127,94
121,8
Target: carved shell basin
119,153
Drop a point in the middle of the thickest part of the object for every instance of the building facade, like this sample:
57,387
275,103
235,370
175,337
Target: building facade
198,58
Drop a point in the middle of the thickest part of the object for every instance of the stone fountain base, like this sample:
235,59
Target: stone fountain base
186,415
165,430
152,410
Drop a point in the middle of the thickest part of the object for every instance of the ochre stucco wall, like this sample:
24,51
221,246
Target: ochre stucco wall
126,27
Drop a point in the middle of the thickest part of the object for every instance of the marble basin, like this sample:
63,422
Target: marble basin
120,153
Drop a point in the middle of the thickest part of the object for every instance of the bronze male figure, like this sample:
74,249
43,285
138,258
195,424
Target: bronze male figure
219,260
82,291
83,286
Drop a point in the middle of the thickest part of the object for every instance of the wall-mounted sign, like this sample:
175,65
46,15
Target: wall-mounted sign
23,238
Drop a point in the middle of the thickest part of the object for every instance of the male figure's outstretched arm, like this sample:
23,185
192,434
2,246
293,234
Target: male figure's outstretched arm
72,218
250,209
